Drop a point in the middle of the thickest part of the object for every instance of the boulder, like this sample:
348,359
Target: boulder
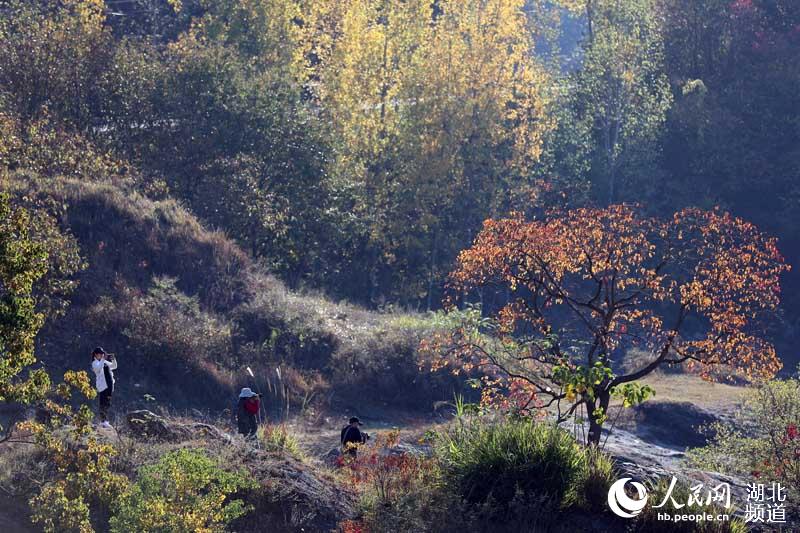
144,423
147,424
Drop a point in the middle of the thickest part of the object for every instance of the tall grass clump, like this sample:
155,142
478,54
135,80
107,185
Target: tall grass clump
278,438
591,488
513,461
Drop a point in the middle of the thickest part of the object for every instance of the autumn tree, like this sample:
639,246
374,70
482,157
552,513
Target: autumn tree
36,261
23,263
52,55
584,286
431,110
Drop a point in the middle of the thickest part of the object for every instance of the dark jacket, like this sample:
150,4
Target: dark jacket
352,434
245,419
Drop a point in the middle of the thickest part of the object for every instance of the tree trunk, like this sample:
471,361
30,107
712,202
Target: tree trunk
432,271
596,420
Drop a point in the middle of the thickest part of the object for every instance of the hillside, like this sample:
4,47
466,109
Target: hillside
543,250
187,310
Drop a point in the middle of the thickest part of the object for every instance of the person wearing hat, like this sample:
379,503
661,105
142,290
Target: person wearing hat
103,366
246,412
353,437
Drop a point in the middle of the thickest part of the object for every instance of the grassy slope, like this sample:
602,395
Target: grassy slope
242,316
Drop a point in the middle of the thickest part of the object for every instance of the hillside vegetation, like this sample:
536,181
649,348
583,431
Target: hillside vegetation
187,310
393,209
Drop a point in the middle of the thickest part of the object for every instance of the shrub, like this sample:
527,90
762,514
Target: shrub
166,321
185,491
398,491
278,438
762,442
78,485
512,460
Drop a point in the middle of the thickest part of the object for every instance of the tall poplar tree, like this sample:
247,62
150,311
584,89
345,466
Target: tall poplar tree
434,110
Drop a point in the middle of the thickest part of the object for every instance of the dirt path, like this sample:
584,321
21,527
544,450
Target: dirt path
318,438
657,433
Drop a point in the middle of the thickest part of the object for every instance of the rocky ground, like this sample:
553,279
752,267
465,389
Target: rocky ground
648,442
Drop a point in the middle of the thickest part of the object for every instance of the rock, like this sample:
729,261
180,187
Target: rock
331,458
146,423
406,448
672,424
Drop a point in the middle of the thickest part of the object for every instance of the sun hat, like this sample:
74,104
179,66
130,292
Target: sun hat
247,393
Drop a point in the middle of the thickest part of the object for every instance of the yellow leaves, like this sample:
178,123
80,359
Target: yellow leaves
80,381
628,77
185,491
577,7
410,94
92,13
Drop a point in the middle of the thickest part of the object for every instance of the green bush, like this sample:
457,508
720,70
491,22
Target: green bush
513,460
185,491
762,442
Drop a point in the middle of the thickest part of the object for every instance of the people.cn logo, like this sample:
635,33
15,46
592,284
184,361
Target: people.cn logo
622,504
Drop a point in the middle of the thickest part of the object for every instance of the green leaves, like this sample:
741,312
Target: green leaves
184,492
622,91
24,262
36,265
581,380
632,393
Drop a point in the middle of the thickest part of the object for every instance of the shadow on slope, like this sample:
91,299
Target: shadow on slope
187,311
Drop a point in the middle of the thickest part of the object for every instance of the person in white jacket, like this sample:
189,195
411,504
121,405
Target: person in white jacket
103,365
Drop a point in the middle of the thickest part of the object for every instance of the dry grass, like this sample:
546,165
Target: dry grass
246,316
690,388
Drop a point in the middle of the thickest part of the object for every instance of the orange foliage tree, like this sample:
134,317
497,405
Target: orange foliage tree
580,288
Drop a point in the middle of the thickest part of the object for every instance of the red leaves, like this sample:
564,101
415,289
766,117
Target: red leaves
352,526
611,279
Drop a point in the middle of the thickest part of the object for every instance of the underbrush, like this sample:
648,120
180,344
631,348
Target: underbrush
762,443
201,482
185,490
479,474
513,475
507,475
165,293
